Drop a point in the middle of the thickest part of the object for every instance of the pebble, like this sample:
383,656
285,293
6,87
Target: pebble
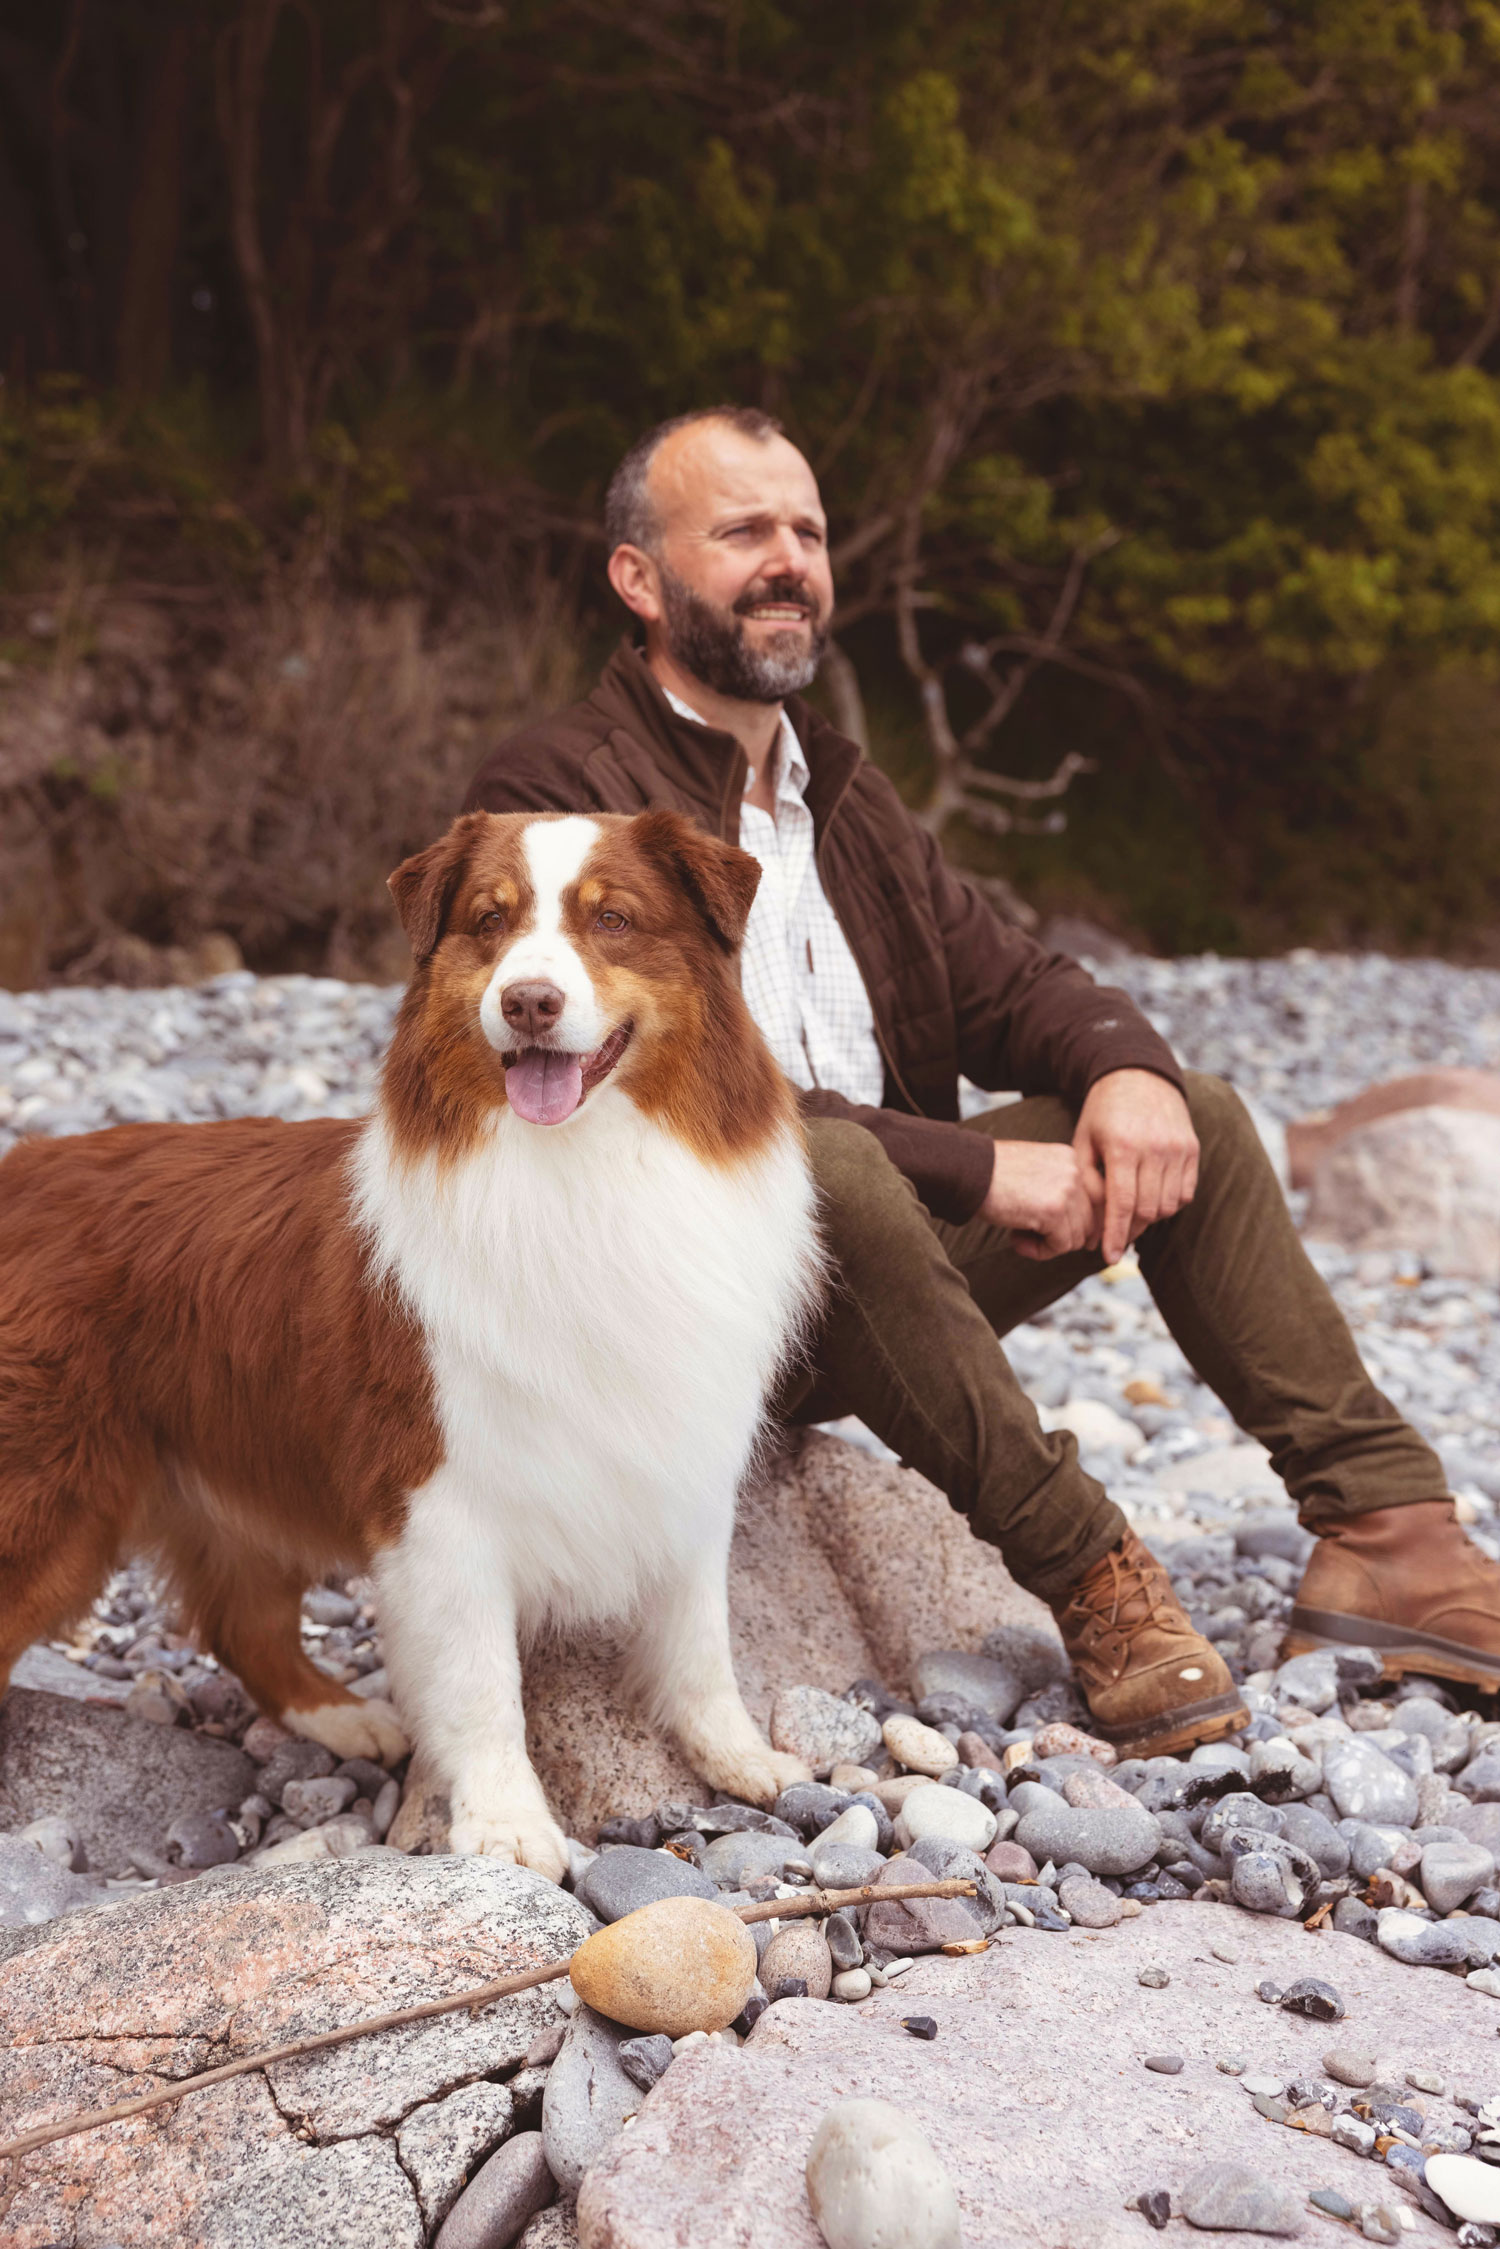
1155,2206
1469,2188
920,2026
680,1964
1349,2065
1165,2065
1314,1998
843,1940
822,1729
851,1984
731,1861
921,1749
1108,1842
1421,1944
1486,1980
644,2060
624,1879
1154,1978
1237,2200
1231,2065
1452,1872
588,2094
1062,1740
945,1815
57,1840
501,2197
874,2182
797,1953
1268,1874
1365,1785
1010,1862
1088,1904
1354,2133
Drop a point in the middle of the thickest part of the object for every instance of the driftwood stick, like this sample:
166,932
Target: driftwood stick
783,1909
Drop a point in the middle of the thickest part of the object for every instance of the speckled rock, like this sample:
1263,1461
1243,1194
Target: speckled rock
874,2181
1232,2198
921,1749
442,2142
798,1950
822,1729
508,2190
681,1964
588,2096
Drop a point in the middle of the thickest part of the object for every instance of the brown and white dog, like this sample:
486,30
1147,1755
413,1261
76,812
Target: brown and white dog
505,1342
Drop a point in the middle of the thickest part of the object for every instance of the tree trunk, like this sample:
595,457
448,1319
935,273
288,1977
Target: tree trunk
143,345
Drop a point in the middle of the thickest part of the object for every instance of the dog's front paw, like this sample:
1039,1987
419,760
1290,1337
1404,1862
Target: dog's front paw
756,1775
352,1729
525,1836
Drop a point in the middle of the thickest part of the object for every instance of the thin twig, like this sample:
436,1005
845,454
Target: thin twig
483,1995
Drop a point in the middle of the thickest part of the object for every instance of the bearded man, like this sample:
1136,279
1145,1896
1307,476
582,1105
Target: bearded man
878,975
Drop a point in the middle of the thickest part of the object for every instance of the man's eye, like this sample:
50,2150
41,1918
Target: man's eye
612,921
491,924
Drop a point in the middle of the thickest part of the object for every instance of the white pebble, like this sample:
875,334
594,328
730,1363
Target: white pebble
921,1749
852,1983
874,2182
945,1815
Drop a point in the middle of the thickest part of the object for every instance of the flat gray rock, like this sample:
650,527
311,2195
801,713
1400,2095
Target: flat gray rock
1232,2198
1114,1841
994,1687
120,1780
496,2204
1365,1785
103,2005
625,1877
1037,2034
34,1888
46,1672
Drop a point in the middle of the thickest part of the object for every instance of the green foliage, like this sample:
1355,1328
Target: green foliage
1206,293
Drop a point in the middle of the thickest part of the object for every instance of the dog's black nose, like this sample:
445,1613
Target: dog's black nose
532,1008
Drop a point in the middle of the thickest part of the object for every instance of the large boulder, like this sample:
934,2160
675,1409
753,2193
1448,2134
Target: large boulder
1033,2092
842,1567
1309,1139
1426,1181
110,2004
120,1781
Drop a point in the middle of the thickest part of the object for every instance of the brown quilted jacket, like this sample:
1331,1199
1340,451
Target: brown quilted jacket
954,989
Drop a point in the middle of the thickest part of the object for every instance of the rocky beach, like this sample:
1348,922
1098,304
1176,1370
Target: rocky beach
1255,1990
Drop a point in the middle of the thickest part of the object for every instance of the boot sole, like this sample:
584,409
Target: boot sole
1399,1648
1189,1726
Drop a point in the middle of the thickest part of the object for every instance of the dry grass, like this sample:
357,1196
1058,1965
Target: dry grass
181,778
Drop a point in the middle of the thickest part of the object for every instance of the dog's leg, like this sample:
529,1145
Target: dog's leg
681,1666
448,1617
55,1554
249,1610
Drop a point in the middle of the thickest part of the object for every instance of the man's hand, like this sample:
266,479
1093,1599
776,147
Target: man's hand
1136,1139
1047,1198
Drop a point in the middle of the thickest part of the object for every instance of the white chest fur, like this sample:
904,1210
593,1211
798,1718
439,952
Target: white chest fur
603,1313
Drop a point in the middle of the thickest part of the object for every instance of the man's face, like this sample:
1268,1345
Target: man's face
744,587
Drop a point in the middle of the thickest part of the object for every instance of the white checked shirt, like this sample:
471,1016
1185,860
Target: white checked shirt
801,982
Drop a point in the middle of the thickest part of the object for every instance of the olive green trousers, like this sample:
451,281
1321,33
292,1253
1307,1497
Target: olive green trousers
908,1342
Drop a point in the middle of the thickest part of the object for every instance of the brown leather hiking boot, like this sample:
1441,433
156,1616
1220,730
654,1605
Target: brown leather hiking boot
1153,1684
1408,1582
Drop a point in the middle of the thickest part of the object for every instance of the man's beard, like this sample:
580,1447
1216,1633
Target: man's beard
710,642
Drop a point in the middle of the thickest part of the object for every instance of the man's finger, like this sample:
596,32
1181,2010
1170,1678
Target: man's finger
1119,1207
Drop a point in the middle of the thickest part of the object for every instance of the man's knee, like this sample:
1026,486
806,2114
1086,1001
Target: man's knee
859,1188
1224,1126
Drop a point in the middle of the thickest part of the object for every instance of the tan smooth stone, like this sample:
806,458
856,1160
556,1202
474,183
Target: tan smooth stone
921,1749
1059,1739
893,1793
677,1965
798,1949
853,1778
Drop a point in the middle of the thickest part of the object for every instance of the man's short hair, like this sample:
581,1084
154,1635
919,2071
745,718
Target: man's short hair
630,519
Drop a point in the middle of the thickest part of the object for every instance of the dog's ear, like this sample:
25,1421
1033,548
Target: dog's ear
424,885
720,879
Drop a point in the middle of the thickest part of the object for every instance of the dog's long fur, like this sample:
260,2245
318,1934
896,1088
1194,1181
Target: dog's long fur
514,1368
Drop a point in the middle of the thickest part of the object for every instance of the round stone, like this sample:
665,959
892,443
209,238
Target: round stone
1087,1903
1349,2065
851,1984
947,1815
1310,1996
822,1729
502,2195
1108,1842
874,2182
1154,1978
1059,1739
621,1880
681,1964
797,1953
1452,1872
843,1866
1165,2065
1469,2188
1421,1944
855,1825
921,1749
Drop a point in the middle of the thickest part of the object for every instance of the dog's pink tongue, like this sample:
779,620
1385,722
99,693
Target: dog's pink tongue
544,1088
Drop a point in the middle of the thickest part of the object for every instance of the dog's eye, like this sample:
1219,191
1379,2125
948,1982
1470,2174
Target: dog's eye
491,924
612,920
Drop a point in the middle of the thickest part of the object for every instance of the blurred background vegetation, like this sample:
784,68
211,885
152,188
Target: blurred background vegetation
1148,352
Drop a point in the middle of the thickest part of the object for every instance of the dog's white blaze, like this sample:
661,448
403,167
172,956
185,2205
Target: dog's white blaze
603,1314
542,952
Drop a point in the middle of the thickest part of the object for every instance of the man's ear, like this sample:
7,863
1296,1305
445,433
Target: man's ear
424,885
720,879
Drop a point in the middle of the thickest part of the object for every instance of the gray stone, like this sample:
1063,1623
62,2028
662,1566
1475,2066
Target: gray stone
810,1806
1481,1823
1371,1847
120,1780
293,1760
730,1861
1312,1997
554,2228
1353,2133
1421,1944
1238,1810
1365,1785
1268,1874
1312,1681
499,2200
1452,1872
1317,1836
202,1839
843,1941
441,2142
1237,2200
822,1729
43,1669
58,1840
1350,2065
1105,1842
354,2192
1165,2065
646,2059
1480,1779
995,1688
844,1866
310,1802
35,1889
323,1604
624,1877
589,2095
1088,1904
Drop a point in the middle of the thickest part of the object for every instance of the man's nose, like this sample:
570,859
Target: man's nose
789,556
531,1008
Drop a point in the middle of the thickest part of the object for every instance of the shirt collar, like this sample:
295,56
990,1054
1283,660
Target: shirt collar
792,770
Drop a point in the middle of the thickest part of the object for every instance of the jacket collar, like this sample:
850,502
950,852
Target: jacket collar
711,763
